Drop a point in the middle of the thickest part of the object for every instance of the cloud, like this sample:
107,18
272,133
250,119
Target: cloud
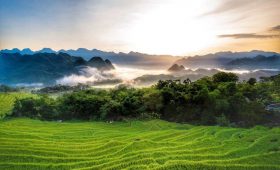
229,5
276,28
92,76
254,35
249,35
87,75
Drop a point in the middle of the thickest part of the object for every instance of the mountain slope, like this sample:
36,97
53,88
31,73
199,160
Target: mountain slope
131,58
220,59
258,62
43,67
176,68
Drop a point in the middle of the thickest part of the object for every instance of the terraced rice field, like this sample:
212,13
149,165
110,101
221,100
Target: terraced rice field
33,144
7,101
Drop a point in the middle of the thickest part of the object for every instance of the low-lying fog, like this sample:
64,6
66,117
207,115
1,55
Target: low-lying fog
143,77
121,74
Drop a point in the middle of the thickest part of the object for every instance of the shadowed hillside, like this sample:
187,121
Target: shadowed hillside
44,67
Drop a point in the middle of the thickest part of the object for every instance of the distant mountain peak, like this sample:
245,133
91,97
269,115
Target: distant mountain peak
46,50
14,50
176,68
27,51
100,64
83,49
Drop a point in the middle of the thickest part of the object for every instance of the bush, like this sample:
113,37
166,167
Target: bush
149,116
42,108
81,105
222,120
111,111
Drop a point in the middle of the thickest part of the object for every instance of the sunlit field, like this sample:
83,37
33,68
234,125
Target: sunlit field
33,144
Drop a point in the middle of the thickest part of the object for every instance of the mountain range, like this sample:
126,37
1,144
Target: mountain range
258,62
45,68
47,65
140,60
224,59
193,75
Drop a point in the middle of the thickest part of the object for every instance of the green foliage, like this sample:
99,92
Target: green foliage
42,108
225,77
7,101
149,116
252,81
83,105
222,120
210,101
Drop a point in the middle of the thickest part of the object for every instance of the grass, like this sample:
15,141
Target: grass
33,144
7,101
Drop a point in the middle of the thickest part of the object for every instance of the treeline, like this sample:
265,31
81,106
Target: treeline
216,100
5,89
61,88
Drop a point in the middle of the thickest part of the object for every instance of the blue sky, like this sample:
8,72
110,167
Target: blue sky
176,27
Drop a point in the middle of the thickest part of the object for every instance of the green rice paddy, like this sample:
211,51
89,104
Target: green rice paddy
33,144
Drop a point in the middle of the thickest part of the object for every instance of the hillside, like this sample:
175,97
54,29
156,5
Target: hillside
220,59
258,62
195,74
32,144
176,68
44,67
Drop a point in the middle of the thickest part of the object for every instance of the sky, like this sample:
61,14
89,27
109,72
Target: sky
176,27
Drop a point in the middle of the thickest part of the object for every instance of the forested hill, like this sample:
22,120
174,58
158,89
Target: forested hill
44,67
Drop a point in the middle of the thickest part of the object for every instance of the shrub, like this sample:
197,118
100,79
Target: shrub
222,120
42,108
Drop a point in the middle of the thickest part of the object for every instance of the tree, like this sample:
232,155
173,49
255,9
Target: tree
42,108
111,110
252,81
224,77
153,101
81,105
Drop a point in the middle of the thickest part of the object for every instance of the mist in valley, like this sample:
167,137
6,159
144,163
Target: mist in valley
139,77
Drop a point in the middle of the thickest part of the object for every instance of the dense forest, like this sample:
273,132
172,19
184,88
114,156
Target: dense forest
217,100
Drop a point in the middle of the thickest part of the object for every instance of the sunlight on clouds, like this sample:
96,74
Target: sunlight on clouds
177,27
172,28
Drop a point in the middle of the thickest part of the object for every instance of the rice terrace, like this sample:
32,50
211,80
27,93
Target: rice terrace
156,144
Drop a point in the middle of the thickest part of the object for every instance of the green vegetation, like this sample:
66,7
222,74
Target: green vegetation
61,89
7,101
216,100
140,140
33,144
